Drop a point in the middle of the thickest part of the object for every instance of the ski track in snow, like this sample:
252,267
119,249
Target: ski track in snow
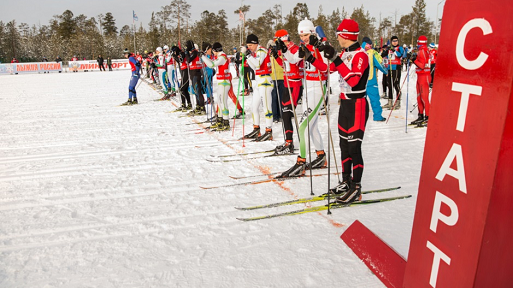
96,195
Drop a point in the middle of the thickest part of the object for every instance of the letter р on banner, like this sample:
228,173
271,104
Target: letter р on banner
463,227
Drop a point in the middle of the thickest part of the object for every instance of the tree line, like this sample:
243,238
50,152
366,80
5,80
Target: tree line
67,35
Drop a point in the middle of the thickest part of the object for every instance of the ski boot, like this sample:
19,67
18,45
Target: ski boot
397,105
268,135
297,170
127,103
341,188
354,194
424,122
389,105
225,126
200,111
418,120
286,148
238,115
166,97
215,126
319,162
253,134
134,101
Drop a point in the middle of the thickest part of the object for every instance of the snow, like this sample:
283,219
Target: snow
97,195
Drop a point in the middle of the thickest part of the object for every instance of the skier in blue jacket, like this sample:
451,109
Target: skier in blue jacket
372,83
135,67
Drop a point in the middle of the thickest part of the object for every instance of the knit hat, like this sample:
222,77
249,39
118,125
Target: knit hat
422,40
348,29
217,47
252,39
367,40
124,52
205,46
431,45
281,33
394,38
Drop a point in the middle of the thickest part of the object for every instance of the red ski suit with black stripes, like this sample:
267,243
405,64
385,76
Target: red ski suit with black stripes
353,68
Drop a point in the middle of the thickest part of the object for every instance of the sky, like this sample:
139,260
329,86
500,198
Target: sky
42,11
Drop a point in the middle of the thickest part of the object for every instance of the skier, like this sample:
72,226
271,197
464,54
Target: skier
222,84
353,68
314,84
171,74
195,66
434,53
293,74
179,57
421,60
395,54
259,60
208,72
135,67
384,80
161,68
372,84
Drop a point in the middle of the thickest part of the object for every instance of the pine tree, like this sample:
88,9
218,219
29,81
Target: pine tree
420,24
109,25
365,22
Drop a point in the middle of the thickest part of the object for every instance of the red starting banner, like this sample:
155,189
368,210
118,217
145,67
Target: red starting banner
463,225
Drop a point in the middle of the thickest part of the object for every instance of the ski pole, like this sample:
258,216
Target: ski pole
407,94
279,99
308,122
414,106
395,102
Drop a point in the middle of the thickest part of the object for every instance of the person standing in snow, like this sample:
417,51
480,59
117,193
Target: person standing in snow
353,68
293,76
161,68
193,60
109,63
277,76
100,62
135,67
421,60
315,87
222,84
179,57
434,53
372,84
258,59
395,54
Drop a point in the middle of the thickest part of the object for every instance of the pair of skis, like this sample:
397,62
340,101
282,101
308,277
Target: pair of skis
318,208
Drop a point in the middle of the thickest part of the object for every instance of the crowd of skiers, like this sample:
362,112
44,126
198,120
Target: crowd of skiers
296,73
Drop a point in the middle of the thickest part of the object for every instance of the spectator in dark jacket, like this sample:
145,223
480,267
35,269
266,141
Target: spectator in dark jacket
100,62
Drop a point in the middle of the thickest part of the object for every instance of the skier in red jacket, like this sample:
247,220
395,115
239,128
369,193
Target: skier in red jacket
421,60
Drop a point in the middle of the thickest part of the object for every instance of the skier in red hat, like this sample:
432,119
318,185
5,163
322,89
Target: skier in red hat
421,60
353,68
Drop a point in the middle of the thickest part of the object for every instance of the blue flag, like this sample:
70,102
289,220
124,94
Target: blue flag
135,16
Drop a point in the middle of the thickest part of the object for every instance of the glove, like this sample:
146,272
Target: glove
306,53
413,57
243,50
329,52
274,52
270,44
322,46
248,53
281,45
314,41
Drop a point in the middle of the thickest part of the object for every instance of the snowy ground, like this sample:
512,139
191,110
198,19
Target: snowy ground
96,195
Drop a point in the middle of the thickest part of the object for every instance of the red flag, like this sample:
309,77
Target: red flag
241,15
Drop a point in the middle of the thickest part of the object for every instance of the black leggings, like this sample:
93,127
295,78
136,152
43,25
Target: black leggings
352,119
